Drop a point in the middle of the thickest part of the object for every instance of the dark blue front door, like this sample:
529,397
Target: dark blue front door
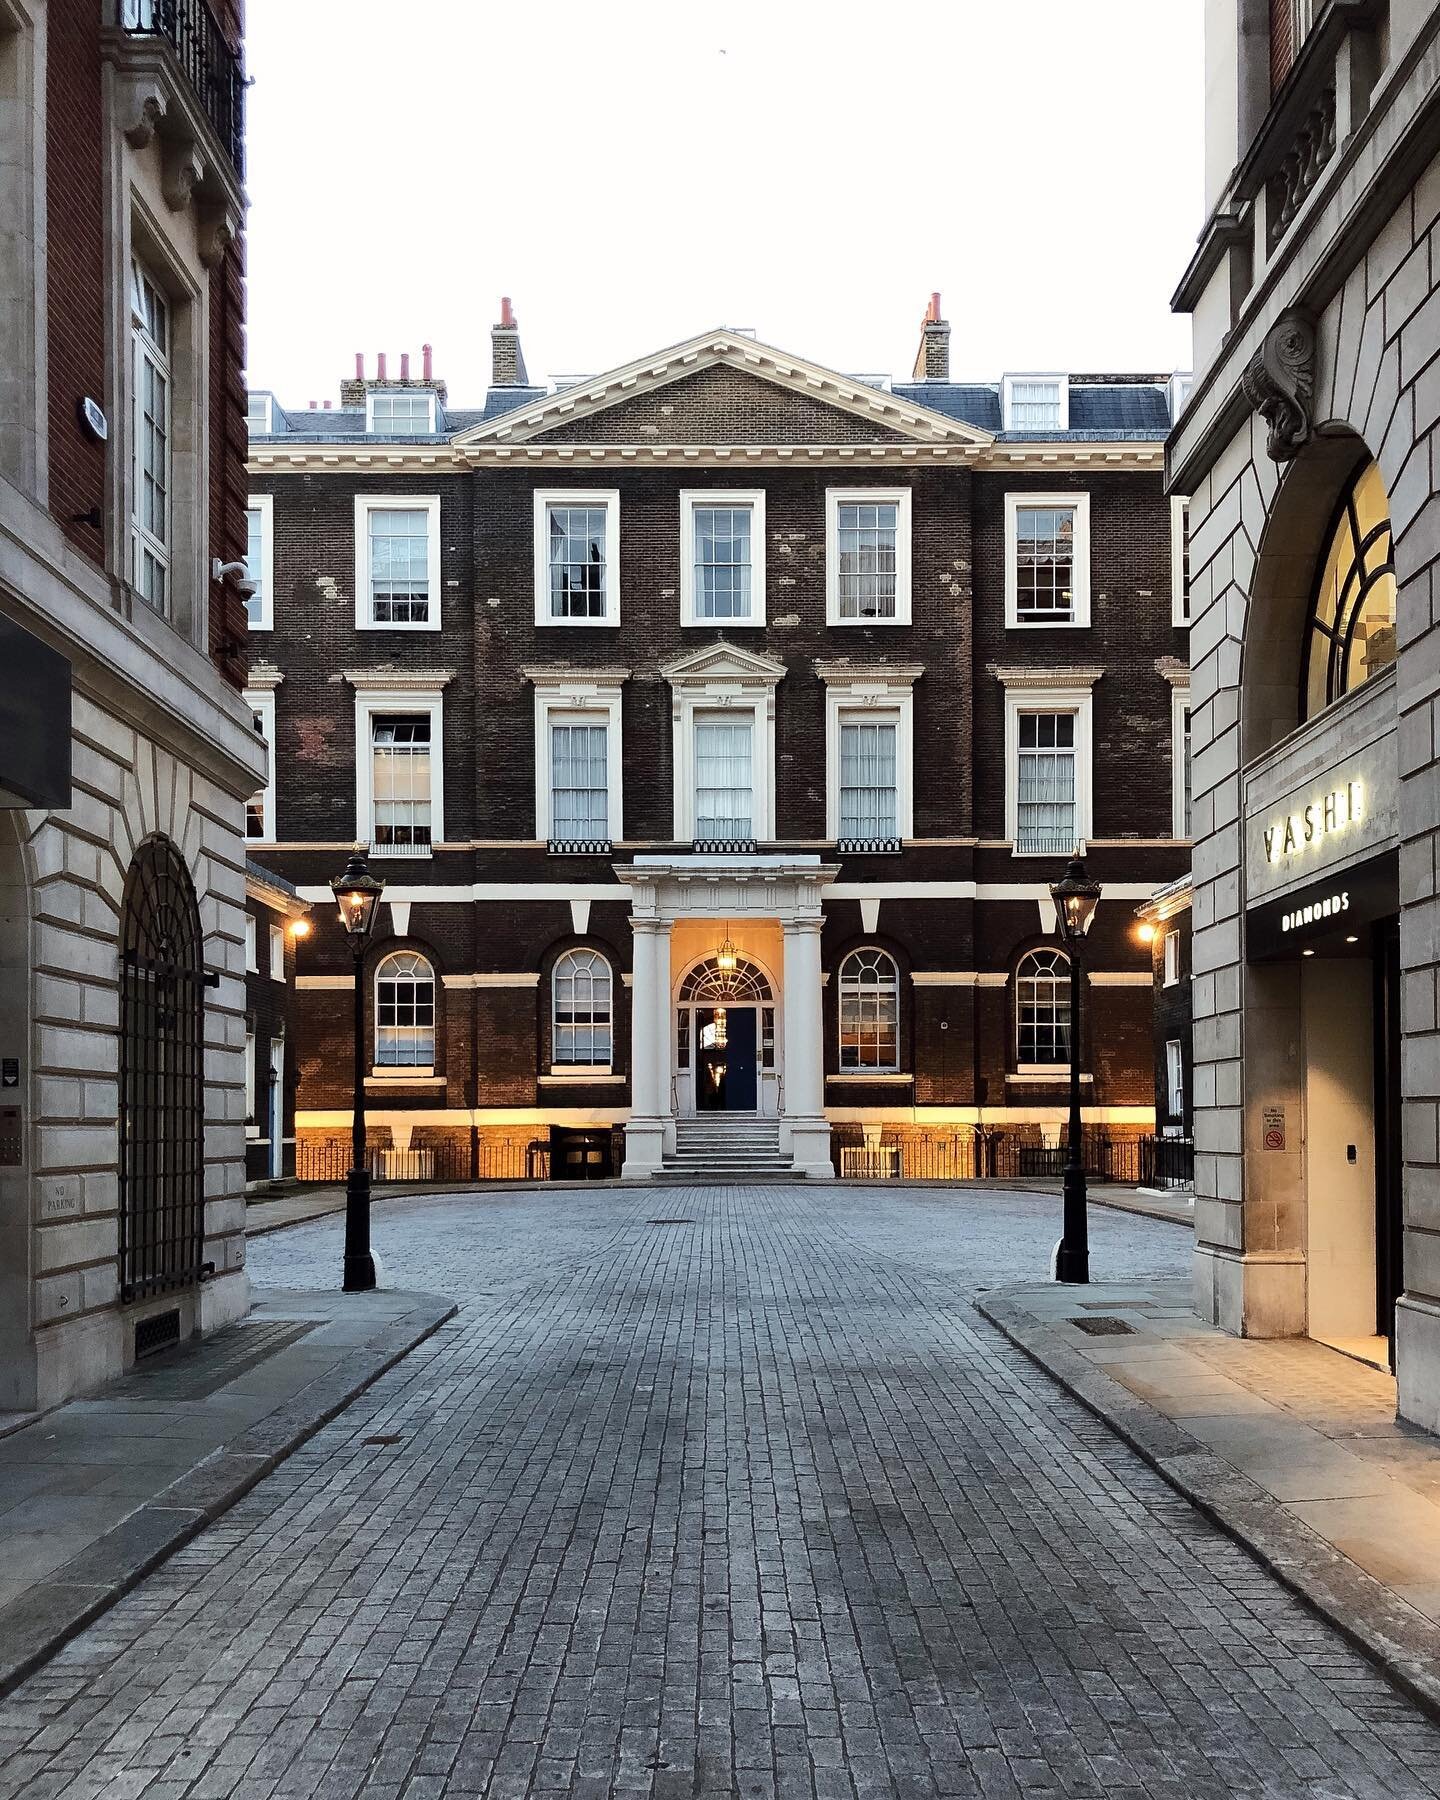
725,1073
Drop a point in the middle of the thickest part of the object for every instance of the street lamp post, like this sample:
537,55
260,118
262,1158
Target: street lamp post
1076,898
357,894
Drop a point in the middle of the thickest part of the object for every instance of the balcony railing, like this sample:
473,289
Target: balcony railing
864,846
212,68
1034,842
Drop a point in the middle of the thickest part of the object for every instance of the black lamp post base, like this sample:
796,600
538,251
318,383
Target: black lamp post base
359,1264
1072,1260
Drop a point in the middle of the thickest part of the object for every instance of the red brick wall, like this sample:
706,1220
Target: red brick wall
75,243
1282,46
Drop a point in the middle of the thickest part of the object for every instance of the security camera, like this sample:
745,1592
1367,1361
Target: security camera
219,570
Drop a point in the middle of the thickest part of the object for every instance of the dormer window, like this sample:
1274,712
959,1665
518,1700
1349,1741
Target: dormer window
400,415
1037,403
260,414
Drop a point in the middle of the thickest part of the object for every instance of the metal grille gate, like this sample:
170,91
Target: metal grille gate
162,1013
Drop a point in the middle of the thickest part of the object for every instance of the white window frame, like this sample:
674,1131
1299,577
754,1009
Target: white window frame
264,504
267,403
859,1071
252,1124
579,697
371,703
1179,707
1179,385
277,952
690,499
1175,1078
252,945
609,498
1038,699
761,710
144,346
1179,530
853,695
393,1071
899,498
262,702
401,393
1007,399
1045,1068
365,504
1170,955
1080,575
574,1069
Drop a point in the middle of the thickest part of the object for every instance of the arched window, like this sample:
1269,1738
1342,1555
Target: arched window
162,1037
708,981
869,1011
1042,1008
580,993
1351,635
404,1012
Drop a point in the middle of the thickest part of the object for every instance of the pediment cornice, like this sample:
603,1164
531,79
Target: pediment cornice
723,662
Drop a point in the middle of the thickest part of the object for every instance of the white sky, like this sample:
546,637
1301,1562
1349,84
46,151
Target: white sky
633,173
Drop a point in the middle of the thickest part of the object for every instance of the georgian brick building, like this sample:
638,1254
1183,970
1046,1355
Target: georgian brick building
126,749
718,724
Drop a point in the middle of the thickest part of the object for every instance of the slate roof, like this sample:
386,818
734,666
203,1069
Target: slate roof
1100,412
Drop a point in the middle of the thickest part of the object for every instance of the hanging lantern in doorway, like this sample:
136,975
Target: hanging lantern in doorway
726,956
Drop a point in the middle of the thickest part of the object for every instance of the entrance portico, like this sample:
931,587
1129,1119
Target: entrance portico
707,1038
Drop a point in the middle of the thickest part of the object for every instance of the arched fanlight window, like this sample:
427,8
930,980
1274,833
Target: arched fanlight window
404,1012
869,1011
580,990
709,981
1042,1008
1351,634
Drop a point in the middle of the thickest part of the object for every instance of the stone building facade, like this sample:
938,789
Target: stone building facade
126,750
718,724
1306,450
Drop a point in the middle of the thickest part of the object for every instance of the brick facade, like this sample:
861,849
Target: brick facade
956,907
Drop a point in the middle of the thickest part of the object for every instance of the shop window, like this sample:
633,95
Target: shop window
1351,635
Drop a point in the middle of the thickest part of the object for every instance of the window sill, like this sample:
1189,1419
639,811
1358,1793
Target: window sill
878,619
879,1077
404,1078
548,624
395,625
1051,1074
581,1078
1018,624
746,624
402,852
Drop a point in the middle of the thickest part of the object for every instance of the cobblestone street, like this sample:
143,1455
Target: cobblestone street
710,1491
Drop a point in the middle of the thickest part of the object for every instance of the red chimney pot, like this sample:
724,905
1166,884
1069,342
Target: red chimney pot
425,359
933,315
404,365
359,365
380,366
327,406
507,313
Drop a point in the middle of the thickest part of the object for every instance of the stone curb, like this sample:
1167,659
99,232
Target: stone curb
42,1620
1402,1643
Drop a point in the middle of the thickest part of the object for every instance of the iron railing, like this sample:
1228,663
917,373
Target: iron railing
450,1159
211,66
970,1154
1034,842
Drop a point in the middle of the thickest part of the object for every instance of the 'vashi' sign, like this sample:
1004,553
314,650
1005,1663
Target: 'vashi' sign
1329,813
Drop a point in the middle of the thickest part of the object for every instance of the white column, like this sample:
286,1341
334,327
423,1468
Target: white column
645,1133
805,1051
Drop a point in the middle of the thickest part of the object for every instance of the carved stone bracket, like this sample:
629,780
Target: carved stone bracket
216,228
1280,384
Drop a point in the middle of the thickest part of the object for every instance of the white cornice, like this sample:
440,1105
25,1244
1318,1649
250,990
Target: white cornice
459,459
869,674
392,679
1173,670
559,675
1079,677
264,675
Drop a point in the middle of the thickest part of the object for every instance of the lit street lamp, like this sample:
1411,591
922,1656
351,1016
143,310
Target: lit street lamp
357,894
1075,899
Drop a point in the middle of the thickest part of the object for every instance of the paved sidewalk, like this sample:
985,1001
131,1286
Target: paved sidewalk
1292,1447
95,1493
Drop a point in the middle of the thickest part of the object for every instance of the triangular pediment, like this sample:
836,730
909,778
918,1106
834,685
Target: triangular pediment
696,392
721,662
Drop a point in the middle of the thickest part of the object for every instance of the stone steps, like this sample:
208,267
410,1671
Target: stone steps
727,1148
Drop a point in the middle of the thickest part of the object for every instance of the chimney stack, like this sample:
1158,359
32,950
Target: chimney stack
932,359
507,361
